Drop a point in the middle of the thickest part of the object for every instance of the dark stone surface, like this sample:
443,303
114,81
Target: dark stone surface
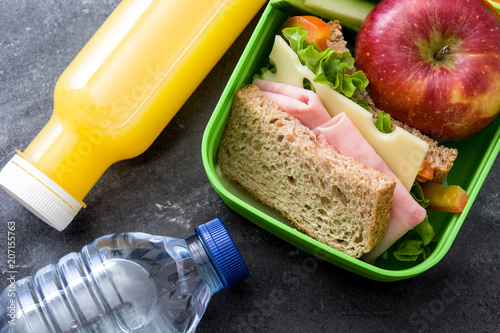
165,191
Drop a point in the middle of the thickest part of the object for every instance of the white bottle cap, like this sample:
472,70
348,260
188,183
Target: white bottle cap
37,192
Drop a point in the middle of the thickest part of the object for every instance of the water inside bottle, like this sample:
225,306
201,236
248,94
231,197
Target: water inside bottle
169,291
128,291
130,282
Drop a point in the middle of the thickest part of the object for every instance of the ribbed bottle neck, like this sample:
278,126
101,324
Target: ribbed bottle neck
202,258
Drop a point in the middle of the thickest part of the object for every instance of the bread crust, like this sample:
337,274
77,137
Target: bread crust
280,162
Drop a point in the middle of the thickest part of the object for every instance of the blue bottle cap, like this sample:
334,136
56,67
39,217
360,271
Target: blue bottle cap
227,259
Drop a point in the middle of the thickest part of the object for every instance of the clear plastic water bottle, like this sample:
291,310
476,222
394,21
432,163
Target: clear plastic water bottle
131,282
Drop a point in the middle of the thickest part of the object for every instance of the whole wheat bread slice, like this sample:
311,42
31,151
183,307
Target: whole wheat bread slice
440,156
279,161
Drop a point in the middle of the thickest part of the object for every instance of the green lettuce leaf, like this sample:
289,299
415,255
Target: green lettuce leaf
418,194
383,123
409,250
425,231
330,68
414,244
363,104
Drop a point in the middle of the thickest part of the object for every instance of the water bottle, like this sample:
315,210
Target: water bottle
129,282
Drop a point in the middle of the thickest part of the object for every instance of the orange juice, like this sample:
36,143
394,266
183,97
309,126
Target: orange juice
119,93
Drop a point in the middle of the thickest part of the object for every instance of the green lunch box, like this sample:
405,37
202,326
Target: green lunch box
474,161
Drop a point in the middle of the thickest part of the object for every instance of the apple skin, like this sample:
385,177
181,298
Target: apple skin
453,98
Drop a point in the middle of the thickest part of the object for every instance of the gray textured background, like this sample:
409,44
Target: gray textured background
165,191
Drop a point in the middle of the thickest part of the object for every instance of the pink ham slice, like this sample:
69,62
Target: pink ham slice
303,104
341,133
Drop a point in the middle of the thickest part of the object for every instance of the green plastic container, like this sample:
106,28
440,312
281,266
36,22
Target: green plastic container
474,161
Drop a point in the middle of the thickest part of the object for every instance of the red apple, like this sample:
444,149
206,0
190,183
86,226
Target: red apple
433,64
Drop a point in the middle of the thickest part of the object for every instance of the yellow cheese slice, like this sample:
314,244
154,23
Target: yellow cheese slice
401,151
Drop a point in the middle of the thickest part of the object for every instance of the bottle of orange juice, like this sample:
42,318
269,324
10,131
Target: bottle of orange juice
118,94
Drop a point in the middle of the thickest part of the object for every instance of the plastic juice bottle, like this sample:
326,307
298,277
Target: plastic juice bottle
118,94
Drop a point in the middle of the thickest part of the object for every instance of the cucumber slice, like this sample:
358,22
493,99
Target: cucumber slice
350,13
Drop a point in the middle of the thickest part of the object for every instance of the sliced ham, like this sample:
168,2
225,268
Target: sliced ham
303,104
341,133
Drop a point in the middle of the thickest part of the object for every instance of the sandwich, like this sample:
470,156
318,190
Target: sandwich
283,146
280,162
